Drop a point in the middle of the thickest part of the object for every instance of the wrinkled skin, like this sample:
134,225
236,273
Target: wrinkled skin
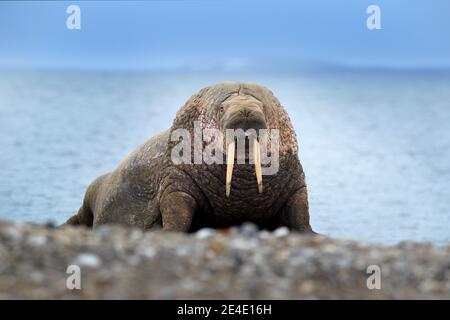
149,191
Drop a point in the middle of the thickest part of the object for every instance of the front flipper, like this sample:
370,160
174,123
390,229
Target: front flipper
295,213
177,209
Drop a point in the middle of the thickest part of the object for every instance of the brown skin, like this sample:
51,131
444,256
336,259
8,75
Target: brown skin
149,191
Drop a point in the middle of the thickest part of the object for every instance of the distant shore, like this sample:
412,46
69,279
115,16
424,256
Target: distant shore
239,263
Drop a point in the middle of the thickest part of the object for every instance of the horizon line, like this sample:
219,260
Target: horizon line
281,68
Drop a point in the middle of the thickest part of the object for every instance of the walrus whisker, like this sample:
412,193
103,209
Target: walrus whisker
257,159
230,164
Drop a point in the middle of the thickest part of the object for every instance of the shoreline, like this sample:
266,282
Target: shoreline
118,262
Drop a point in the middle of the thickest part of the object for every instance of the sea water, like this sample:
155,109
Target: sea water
375,146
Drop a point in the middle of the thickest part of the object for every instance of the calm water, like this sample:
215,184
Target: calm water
375,147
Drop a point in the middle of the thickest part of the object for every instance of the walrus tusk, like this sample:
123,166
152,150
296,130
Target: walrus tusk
230,163
257,159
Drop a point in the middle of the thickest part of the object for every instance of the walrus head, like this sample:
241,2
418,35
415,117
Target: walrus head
244,112
235,106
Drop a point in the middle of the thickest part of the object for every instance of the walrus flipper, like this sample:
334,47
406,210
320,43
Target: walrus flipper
85,215
177,210
295,214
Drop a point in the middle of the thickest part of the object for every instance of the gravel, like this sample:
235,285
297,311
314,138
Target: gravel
116,262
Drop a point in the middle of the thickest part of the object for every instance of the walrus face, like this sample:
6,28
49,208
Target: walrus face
243,112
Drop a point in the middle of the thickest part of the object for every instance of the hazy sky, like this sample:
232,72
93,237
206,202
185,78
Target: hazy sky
214,33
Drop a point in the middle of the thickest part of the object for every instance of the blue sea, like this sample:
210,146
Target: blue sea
375,145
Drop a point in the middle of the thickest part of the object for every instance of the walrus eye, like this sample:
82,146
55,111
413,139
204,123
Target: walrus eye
221,108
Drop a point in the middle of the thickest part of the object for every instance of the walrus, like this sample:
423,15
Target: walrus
150,190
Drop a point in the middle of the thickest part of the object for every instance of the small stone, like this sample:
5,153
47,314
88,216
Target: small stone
216,246
36,276
264,234
50,224
133,260
205,233
281,232
248,229
136,234
37,240
13,232
149,252
239,244
307,287
88,260
182,251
